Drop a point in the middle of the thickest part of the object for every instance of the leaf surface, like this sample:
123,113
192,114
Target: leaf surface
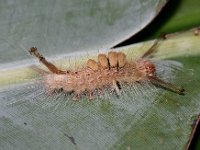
65,26
149,118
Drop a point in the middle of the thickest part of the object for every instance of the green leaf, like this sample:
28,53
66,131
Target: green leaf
150,119
147,119
65,26
183,15
176,16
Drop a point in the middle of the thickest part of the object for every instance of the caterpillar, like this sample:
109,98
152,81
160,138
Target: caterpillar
110,71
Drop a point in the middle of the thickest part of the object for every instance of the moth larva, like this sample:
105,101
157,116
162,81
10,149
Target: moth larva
110,71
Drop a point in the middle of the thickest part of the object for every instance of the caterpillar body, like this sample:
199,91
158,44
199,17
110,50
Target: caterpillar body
110,71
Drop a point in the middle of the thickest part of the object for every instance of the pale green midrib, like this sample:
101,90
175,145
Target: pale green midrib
178,45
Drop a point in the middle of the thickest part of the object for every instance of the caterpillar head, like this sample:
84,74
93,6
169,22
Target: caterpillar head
146,67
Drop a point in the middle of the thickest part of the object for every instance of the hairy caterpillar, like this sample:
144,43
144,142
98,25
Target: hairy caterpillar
109,72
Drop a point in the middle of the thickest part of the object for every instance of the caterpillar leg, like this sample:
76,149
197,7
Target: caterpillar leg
50,66
90,95
116,87
76,97
100,92
158,82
